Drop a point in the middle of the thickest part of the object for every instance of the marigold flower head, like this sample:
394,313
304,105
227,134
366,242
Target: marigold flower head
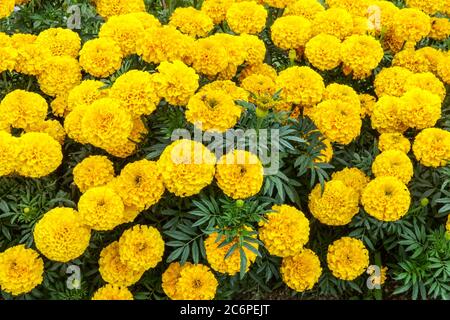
391,81
386,116
20,39
443,68
412,60
246,17
22,109
189,282
101,57
361,54
85,93
335,21
426,81
210,57
427,6
108,8
93,171
324,51
59,105
386,198
352,177
6,8
52,127
175,82
9,56
106,124
291,32
285,232
394,141
236,51
112,269
432,147
259,68
213,110
147,20
335,205
216,9
301,271
347,258
60,42
9,150
259,86
393,163
21,270
60,236
336,91
72,124
139,184
228,87
421,108
112,292
304,8
411,25
39,155
186,167
30,59
217,255
191,21
136,90
440,29
59,75
101,208
357,8
141,247
300,85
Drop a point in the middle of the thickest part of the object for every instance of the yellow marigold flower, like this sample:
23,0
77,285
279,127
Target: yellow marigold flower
426,81
59,105
391,81
324,51
52,127
259,86
339,121
440,28
291,32
85,93
113,270
101,57
21,270
189,282
60,42
259,68
361,54
31,58
6,8
106,124
136,90
335,91
246,17
22,109
210,56
101,208
215,254
304,8
60,236
387,11
213,110
386,116
72,124
9,150
285,232
432,147
367,102
108,8
175,82
327,153
236,51
357,8
427,6
421,109
147,20
301,271
255,49
394,163
141,247
139,184
335,21
186,167
112,292
386,198
300,85
336,205
411,25
239,174
393,141
443,69
352,177
412,60
8,56
191,21
93,171
347,258
20,39
39,155
216,9
154,45
228,87
360,25
59,75
124,31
